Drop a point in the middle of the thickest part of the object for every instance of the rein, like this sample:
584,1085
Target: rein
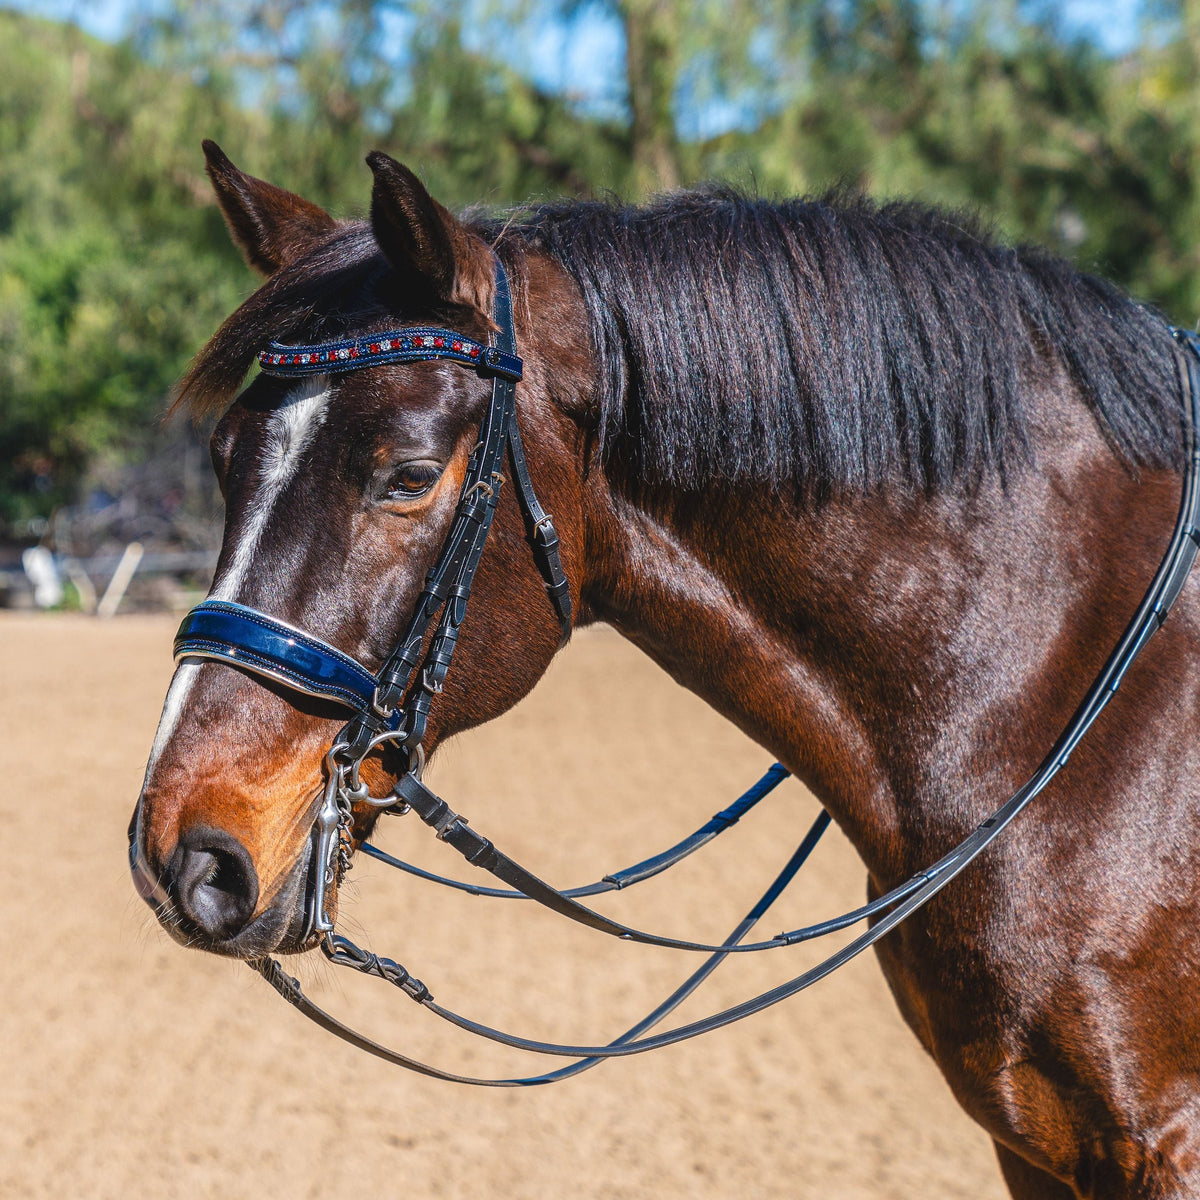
391,707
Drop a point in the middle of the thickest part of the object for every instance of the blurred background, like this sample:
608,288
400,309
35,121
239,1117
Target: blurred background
1076,125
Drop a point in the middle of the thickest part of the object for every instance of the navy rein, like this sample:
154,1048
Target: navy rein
391,706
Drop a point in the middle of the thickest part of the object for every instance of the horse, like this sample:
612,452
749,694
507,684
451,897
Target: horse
879,488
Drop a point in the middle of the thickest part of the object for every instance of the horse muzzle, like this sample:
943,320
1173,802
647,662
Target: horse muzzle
206,895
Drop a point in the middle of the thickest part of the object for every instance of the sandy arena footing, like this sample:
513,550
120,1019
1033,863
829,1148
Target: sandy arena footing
132,1067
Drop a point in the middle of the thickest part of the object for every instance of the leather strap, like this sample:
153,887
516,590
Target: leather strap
448,585
628,876
542,536
345,953
481,852
245,637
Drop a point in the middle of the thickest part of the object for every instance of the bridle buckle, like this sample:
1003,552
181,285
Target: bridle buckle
446,823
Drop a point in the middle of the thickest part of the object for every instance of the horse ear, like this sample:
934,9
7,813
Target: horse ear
269,225
423,240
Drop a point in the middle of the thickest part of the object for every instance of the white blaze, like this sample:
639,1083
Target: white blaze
289,432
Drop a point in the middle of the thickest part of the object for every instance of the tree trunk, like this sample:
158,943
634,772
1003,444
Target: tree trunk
652,67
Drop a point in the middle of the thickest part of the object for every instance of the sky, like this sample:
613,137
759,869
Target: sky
584,58
1112,23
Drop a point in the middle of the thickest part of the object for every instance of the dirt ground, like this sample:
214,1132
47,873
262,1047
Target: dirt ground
132,1067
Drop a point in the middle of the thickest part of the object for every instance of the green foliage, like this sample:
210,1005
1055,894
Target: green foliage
115,266
111,273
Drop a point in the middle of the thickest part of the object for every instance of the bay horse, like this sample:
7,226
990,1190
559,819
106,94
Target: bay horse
878,488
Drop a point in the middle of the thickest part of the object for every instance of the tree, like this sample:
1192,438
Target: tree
115,266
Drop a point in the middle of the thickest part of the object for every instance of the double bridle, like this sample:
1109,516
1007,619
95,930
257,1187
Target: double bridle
390,709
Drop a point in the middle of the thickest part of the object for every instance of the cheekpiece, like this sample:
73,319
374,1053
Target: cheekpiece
396,346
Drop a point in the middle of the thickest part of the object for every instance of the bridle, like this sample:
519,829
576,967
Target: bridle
250,639
390,708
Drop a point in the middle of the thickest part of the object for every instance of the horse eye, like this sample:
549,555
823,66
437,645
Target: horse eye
410,480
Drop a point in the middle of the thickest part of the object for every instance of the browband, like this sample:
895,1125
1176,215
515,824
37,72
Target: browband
395,346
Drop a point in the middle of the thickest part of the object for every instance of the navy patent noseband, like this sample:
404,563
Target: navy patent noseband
245,637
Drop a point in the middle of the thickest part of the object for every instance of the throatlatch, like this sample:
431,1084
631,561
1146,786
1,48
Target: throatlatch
392,707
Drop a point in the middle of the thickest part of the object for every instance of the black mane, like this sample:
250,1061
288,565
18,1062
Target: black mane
832,345
817,346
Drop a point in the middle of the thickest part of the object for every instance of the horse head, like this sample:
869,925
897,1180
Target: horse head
340,489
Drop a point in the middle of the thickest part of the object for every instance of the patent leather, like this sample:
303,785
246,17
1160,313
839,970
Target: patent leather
244,637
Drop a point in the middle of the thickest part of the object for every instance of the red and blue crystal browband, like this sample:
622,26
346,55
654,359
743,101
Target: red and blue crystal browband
398,345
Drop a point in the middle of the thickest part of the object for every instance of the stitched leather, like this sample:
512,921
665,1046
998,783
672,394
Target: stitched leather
242,636
627,876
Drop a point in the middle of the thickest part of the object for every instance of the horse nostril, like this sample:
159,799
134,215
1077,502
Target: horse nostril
213,881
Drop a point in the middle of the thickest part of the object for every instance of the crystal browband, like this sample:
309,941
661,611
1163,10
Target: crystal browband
400,345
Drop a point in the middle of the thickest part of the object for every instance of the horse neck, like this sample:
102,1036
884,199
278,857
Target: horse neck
910,658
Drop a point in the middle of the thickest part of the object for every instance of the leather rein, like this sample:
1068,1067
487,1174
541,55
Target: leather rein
390,709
